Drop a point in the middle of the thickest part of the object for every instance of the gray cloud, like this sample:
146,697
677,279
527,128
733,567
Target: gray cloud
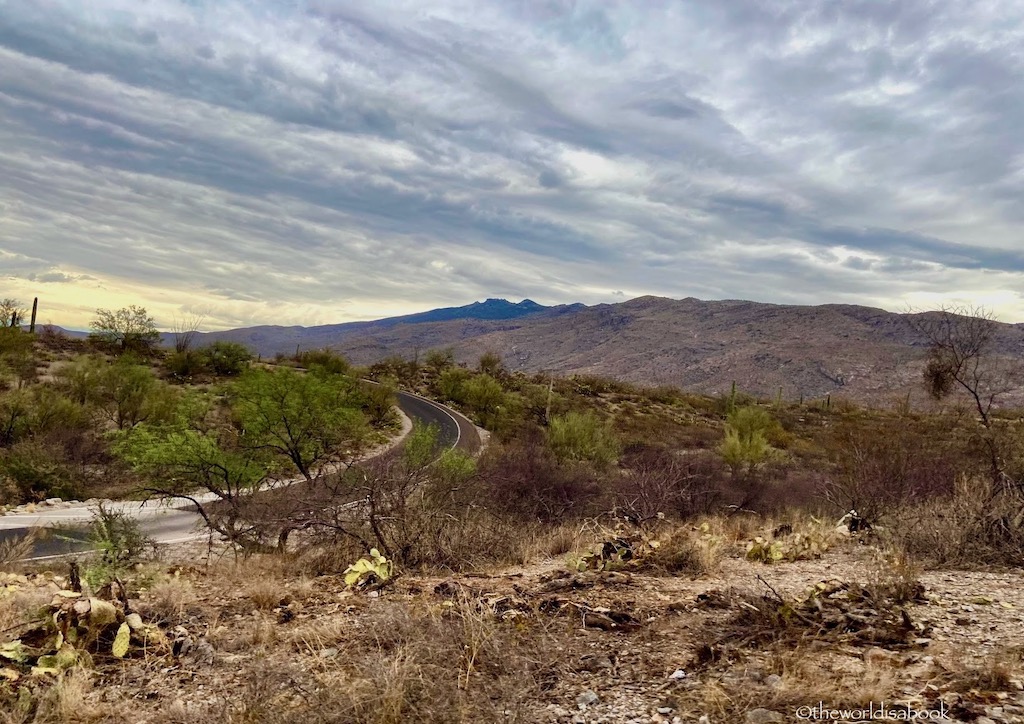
321,161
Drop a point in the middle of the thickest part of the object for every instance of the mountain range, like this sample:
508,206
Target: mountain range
862,353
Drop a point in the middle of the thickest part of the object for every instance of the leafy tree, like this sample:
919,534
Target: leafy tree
450,384
187,456
309,419
80,380
12,313
17,356
377,401
129,393
581,436
128,329
439,360
484,395
394,367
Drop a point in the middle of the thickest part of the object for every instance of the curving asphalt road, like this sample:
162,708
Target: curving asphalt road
174,521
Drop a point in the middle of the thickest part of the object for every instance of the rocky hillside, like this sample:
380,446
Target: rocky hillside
863,353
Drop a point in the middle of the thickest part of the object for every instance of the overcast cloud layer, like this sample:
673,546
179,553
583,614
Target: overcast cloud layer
314,162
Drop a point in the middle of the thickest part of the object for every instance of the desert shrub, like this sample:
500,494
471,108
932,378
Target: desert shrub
377,402
226,359
581,436
746,446
538,402
657,480
120,541
490,364
976,525
80,380
483,395
438,360
35,471
449,385
884,466
593,386
186,364
394,367
422,511
52,338
680,550
15,416
326,360
524,480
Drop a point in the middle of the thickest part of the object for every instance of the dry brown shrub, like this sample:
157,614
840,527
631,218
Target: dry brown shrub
974,526
682,550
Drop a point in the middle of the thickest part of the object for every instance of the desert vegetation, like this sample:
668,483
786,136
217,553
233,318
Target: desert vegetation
614,553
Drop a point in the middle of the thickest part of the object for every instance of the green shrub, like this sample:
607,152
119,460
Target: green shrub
746,445
36,471
326,361
80,380
439,360
186,364
484,396
377,402
118,537
450,383
582,437
227,359
394,367
490,364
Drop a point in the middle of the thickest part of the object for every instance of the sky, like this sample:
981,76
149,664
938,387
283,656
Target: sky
321,161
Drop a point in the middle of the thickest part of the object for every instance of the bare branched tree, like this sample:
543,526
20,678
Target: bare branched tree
962,358
186,329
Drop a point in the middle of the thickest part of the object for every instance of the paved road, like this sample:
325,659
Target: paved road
174,521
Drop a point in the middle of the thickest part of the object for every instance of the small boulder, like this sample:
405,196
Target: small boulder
763,716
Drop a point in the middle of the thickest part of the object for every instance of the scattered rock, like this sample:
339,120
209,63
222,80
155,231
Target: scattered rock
677,674
587,698
773,680
763,716
594,662
880,657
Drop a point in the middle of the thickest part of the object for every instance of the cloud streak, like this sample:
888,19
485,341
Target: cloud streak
321,161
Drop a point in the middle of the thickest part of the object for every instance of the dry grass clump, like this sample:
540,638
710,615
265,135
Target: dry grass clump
395,663
60,702
975,526
15,549
682,550
169,601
